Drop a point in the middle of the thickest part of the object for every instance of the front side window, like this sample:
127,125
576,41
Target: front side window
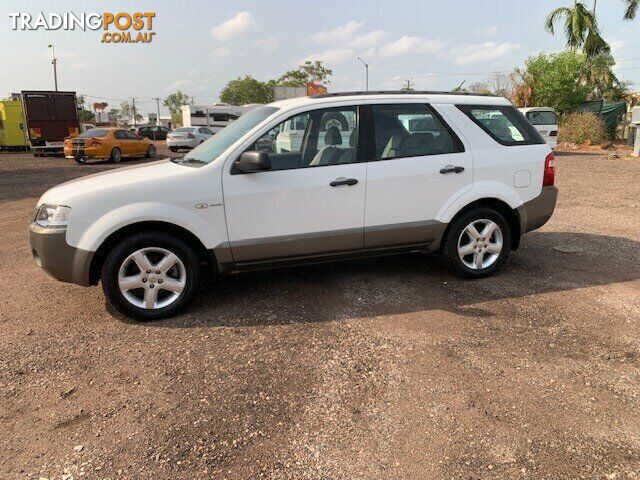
210,150
132,136
542,117
504,124
312,139
411,130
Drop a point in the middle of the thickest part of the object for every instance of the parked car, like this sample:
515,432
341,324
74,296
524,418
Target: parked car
153,132
107,143
458,184
187,137
544,121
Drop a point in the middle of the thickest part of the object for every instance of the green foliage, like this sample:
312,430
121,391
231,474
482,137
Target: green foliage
247,90
556,80
125,114
579,22
84,115
175,101
632,9
310,71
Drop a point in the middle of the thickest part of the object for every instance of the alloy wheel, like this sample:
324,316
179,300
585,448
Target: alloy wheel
152,278
480,244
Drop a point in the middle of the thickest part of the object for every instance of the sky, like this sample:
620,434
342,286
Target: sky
200,45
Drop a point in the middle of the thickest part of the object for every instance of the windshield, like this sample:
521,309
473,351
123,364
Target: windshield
541,117
212,148
94,133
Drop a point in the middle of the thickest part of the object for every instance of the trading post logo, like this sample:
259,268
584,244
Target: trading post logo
121,27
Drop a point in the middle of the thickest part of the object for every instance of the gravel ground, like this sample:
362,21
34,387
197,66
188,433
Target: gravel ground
379,369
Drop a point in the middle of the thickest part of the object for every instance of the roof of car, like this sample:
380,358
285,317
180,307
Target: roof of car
428,96
536,109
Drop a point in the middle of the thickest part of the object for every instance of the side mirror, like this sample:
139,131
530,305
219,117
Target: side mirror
253,161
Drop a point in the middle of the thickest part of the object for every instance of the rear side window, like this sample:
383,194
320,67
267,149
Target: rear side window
411,130
505,124
541,117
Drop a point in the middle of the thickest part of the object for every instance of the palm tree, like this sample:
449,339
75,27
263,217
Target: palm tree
579,22
632,9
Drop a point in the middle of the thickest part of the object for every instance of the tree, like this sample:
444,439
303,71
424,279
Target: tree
247,90
84,115
125,114
579,24
556,80
605,85
632,9
175,101
310,71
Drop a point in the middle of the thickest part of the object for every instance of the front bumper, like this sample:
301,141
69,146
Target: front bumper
535,213
60,260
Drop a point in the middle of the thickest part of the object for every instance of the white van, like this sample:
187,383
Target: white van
458,174
545,122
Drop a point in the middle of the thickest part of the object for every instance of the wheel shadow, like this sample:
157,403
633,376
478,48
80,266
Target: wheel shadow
546,262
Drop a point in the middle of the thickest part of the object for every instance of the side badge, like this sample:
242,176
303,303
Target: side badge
201,206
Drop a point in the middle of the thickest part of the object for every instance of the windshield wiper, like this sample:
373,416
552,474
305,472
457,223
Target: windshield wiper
193,161
177,159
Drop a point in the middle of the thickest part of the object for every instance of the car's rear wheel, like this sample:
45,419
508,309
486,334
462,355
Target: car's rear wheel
150,276
151,151
81,160
116,155
477,243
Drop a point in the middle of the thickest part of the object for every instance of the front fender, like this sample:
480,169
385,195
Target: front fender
114,220
480,190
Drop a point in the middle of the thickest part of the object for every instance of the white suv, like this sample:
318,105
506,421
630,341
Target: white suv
420,171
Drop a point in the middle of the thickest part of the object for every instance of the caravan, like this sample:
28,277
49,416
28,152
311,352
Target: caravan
214,117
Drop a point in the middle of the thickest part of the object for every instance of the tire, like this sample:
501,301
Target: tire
458,239
116,155
81,160
173,149
182,274
151,151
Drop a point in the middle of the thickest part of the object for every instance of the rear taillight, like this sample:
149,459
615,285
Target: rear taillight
553,133
549,171
95,143
191,135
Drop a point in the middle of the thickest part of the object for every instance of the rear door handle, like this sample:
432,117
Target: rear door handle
343,181
452,169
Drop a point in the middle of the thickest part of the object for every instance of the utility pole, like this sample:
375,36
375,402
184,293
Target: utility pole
158,104
366,73
135,124
55,63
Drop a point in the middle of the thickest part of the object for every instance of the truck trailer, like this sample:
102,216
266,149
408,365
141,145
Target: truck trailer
49,117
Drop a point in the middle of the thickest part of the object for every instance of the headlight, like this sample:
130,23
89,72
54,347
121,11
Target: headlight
53,215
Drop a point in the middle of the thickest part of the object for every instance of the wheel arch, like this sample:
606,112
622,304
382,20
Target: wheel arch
205,257
510,214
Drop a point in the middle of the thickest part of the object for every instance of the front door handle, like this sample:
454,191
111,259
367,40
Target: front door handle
452,169
343,181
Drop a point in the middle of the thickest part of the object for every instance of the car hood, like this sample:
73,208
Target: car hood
126,176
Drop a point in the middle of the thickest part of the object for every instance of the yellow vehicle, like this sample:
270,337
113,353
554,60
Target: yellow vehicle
12,125
108,143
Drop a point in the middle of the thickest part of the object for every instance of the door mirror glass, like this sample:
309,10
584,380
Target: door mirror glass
253,161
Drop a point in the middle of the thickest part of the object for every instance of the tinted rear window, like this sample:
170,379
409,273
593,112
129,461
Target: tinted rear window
94,133
505,124
538,117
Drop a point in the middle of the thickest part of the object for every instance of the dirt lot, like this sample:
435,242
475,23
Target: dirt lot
379,369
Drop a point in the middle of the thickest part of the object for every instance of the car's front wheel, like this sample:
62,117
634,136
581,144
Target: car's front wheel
150,276
477,243
151,151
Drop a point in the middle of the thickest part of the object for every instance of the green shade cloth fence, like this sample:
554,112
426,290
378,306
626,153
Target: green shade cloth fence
611,114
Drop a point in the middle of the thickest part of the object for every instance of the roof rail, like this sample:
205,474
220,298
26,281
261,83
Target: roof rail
398,92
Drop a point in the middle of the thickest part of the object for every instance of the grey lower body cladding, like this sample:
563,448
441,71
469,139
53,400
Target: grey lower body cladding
319,246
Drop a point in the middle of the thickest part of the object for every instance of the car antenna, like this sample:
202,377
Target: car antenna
458,87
